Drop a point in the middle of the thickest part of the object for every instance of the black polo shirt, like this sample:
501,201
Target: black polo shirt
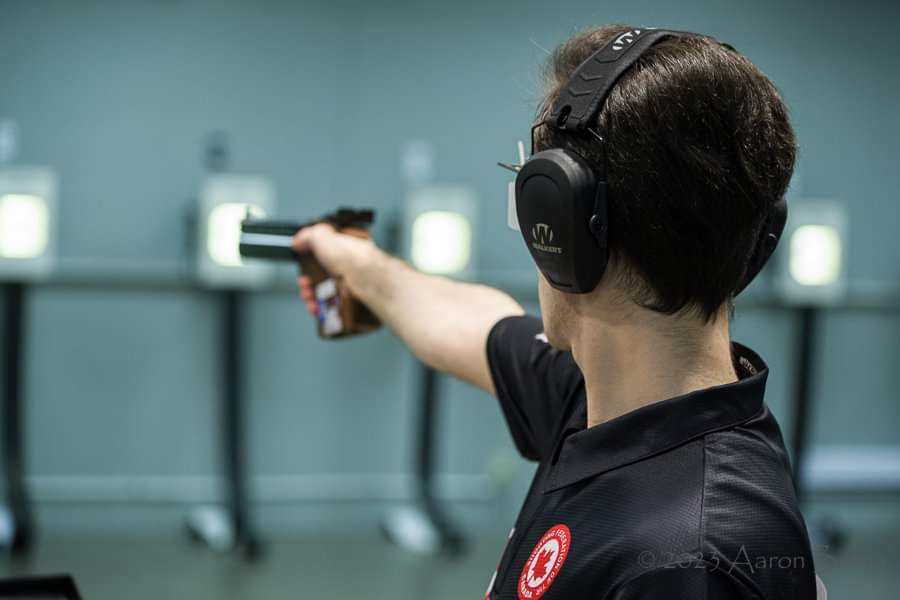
687,498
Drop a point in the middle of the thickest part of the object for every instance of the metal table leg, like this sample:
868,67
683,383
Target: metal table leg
14,418
804,373
451,539
825,532
231,529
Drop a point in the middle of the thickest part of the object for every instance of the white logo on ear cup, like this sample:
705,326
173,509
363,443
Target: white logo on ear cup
543,237
542,233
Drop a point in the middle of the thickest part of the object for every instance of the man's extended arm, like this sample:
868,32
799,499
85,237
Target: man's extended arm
444,322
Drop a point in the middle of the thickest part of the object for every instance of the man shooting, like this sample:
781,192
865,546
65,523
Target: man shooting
654,194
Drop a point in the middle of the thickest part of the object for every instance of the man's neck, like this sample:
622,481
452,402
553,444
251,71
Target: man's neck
630,364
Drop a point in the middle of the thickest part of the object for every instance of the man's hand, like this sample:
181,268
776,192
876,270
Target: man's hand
444,322
341,255
338,253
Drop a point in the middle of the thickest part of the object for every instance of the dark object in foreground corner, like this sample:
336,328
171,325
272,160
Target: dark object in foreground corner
55,587
339,313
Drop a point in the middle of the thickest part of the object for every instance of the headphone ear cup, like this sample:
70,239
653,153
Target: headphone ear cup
766,243
556,192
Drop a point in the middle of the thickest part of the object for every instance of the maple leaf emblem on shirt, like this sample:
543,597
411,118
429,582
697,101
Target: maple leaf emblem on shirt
540,566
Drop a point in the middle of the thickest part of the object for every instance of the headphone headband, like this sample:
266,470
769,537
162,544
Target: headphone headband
581,99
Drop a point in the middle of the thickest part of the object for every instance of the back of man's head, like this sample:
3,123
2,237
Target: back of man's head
699,148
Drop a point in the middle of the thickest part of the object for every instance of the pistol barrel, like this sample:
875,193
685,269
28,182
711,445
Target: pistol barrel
268,239
271,240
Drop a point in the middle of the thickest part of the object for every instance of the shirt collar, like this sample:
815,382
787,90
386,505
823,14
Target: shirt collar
660,426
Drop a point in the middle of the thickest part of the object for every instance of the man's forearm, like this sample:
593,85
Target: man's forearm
444,322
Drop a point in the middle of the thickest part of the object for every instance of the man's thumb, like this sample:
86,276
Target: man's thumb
305,240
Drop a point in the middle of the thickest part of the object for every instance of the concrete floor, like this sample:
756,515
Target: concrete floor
345,566
321,566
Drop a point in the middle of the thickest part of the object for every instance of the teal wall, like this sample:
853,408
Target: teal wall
321,96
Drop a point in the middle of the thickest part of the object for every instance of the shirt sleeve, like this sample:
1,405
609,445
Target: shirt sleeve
535,383
685,581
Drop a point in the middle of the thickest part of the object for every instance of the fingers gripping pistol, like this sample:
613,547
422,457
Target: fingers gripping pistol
340,314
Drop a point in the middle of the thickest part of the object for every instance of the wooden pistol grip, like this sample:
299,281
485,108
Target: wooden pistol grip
340,313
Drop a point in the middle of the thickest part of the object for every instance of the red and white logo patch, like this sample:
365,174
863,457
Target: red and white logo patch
544,563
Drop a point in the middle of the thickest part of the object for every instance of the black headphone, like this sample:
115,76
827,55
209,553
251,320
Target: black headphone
561,202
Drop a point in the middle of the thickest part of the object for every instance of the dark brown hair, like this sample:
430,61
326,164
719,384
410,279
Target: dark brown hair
699,147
